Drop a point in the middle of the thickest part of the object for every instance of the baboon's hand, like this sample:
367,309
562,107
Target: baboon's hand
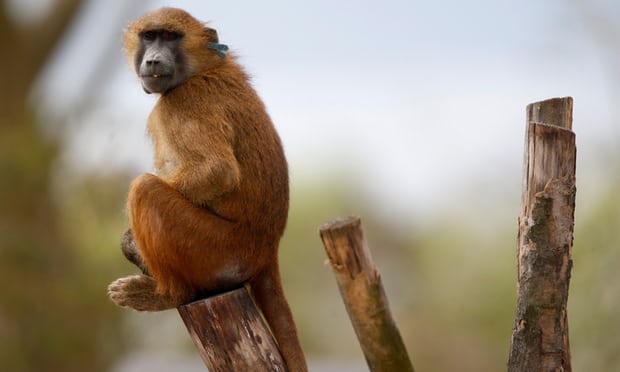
128,244
130,250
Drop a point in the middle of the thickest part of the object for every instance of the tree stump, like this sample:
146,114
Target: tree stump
230,334
360,286
540,334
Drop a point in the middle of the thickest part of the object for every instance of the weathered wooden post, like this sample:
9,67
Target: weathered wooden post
540,334
360,286
230,334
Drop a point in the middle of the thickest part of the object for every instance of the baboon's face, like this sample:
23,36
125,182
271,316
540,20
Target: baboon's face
159,61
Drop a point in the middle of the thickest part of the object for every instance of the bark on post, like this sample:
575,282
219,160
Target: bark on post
363,295
230,334
540,334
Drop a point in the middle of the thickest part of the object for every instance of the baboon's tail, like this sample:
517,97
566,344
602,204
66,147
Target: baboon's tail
267,291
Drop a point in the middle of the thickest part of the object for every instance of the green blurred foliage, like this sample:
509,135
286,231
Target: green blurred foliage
594,298
450,285
54,315
452,282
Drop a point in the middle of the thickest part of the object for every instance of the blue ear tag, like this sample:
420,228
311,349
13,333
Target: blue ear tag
220,48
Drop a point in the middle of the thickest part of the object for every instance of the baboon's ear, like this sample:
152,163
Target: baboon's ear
211,35
214,43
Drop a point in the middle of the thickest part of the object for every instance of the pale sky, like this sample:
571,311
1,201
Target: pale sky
418,99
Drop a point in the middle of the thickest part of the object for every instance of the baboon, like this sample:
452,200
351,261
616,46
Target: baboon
212,218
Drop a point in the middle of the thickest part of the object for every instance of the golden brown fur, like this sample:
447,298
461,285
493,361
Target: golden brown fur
212,218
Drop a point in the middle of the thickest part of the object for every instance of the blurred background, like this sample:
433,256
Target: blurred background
410,114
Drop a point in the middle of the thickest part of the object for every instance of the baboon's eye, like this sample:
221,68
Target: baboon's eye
170,36
149,35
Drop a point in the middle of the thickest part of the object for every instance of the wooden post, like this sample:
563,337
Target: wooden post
230,334
363,295
540,334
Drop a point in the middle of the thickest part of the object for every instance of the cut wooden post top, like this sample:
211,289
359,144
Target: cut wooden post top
555,111
345,246
340,223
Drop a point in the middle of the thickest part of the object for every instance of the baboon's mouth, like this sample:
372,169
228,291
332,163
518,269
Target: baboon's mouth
156,76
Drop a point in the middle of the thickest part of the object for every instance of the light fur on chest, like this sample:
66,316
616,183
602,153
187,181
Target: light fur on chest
167,159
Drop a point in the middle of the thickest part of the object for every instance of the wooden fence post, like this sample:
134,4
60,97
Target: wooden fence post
360,286
230,334
545,238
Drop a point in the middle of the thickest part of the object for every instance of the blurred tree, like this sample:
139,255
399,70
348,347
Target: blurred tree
29,45
48,320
